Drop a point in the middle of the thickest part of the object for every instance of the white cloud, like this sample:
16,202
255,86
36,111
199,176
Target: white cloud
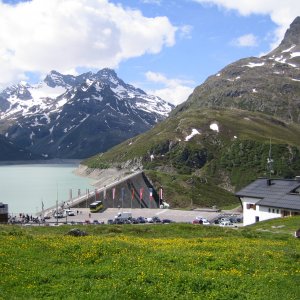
185,31
282,13
247,40
174,91
41,35
157,2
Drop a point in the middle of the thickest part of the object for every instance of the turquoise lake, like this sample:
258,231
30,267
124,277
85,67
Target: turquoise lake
25,187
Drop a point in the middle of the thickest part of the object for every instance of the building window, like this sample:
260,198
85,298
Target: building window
251,206
269,209
277,211
273,210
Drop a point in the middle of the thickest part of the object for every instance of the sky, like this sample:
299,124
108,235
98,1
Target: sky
164,47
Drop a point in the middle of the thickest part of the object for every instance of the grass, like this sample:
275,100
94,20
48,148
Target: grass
187,191
181,261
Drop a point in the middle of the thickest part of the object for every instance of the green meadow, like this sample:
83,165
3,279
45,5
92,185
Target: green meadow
174,261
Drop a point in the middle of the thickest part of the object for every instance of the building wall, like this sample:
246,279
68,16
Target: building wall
249,214
253,213
266,213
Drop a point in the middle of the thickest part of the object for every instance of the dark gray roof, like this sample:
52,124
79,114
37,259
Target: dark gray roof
277,194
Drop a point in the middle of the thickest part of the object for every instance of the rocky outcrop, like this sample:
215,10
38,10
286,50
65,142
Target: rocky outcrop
269,84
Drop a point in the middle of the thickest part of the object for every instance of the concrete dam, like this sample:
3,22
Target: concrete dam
132,191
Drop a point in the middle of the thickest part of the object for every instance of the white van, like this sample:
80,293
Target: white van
164,205
123,216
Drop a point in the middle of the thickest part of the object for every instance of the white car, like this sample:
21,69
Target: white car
68,212
58,215
226,224
205,222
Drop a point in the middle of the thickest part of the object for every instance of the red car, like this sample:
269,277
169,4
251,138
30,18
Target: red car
196,221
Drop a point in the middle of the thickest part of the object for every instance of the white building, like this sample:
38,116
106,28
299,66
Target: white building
266,199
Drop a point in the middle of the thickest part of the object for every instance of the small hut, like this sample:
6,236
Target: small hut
3,213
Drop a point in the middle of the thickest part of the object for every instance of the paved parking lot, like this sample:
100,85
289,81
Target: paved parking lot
186,216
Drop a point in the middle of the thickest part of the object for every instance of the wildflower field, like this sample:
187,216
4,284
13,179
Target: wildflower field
175,261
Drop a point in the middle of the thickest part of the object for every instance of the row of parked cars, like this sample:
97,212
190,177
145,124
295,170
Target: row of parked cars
228,221
222,221
64,213
139,220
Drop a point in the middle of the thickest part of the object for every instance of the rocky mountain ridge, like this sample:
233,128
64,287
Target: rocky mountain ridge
68,116
268,84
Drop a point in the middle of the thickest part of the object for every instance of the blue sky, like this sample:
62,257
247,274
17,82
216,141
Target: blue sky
162,46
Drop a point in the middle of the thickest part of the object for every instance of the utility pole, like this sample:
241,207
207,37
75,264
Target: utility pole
56,204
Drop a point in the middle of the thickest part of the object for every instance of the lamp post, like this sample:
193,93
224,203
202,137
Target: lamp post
123,192
56,212
160,196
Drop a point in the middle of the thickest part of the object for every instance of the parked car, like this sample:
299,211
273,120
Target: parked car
119,221
156,219
141,220
235,219
149,220
224,219
197,221
167,221
226,224
58,215
134,221
68,212
110,221
206,222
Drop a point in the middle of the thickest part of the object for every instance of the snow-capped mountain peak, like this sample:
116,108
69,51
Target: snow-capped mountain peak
56,115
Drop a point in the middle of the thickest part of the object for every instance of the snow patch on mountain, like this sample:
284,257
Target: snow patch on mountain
214,127
193,133
99,98
253,65
289,49
295,54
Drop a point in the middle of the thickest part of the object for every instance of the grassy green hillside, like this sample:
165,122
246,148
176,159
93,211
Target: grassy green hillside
181,261
228,159
172,132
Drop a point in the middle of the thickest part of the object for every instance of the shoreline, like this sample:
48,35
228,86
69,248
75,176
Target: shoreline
40,162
